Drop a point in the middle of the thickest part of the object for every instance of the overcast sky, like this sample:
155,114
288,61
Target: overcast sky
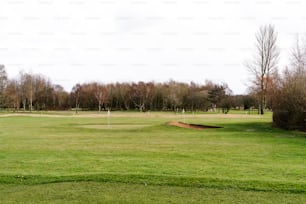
76,41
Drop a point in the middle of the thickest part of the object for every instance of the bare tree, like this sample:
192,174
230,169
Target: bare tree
298,56
27,89
137,95
100,93
264,63
123,90
141,94
12,94
59,96
3,83
76,93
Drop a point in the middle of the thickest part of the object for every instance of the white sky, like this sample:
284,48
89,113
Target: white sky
76,41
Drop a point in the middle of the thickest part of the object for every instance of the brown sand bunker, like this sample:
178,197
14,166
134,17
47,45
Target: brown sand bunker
191,126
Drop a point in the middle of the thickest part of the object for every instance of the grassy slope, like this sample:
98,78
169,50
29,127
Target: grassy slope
246,160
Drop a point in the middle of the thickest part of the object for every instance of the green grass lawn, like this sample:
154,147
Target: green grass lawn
139,159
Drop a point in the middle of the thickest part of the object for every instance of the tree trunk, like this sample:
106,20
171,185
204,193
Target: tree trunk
24,104
31,102
262,93
76,106
99,106
261,104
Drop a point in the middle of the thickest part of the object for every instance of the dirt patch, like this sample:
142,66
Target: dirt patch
191,126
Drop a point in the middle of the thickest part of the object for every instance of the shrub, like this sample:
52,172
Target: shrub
289,106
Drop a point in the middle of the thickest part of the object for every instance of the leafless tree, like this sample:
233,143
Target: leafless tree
124,94
59,96
27,89
100,93
264,63
298,56
13,94
141,94
3,83
76,93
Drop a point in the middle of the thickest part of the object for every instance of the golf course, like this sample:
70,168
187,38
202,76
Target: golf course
135,157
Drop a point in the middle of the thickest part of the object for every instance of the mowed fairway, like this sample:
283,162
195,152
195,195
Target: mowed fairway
137,158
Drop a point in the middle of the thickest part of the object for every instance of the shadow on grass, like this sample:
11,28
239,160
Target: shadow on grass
261,127
161,180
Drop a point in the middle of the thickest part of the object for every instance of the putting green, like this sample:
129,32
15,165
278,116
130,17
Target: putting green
116,126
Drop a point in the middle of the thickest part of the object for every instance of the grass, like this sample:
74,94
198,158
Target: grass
135,193
77,159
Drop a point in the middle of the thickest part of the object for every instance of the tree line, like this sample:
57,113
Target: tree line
34,92
150,96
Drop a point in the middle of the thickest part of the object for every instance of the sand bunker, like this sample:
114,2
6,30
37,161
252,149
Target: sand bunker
191,126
